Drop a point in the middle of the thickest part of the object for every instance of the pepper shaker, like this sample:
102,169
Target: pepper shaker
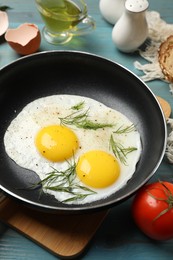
111,10
131,30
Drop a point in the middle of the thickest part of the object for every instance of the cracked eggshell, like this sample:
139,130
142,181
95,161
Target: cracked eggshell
25,39
4,23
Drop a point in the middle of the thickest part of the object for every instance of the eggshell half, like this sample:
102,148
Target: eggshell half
4,23
25,39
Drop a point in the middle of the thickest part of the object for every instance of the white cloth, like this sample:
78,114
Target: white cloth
159,31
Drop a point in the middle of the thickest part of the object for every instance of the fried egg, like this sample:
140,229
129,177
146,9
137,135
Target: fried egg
81,149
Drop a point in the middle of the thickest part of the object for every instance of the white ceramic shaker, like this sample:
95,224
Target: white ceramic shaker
111,10
131,30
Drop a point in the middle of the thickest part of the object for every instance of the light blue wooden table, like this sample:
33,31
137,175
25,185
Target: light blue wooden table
118,237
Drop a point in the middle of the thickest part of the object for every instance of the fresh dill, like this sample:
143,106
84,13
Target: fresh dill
4,7
125,129
120,151
64,181
78,106
80,120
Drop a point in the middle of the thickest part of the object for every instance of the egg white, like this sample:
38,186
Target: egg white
19,139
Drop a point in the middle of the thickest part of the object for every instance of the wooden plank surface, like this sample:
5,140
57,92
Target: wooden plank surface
117,237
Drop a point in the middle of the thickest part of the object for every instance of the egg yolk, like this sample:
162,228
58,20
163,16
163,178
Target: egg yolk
56,143
98,169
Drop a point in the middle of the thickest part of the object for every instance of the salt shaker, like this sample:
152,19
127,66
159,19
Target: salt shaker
131,29
111,10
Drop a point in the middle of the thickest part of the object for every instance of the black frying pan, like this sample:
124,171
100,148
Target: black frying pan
68,72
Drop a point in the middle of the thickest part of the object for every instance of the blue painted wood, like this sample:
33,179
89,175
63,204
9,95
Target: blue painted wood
118,237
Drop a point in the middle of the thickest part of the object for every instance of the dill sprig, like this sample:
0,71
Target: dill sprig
4,7
80,120
64,181
125,129
120,151
78,106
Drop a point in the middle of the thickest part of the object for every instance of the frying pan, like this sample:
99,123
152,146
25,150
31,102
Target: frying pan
85,74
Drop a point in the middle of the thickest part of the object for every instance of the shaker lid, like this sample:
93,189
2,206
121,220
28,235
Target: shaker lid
136,5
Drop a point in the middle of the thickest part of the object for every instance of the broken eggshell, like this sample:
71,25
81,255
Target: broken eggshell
25,39
4,23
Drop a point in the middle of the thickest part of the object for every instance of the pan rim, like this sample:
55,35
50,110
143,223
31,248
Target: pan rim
88,207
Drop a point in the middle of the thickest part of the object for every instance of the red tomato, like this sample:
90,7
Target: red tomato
152,210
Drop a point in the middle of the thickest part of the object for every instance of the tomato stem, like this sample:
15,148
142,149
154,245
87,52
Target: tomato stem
168,200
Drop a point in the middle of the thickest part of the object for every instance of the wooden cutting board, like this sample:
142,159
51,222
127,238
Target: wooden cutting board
63,235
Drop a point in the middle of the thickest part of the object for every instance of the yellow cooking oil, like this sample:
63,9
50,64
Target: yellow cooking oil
60,15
